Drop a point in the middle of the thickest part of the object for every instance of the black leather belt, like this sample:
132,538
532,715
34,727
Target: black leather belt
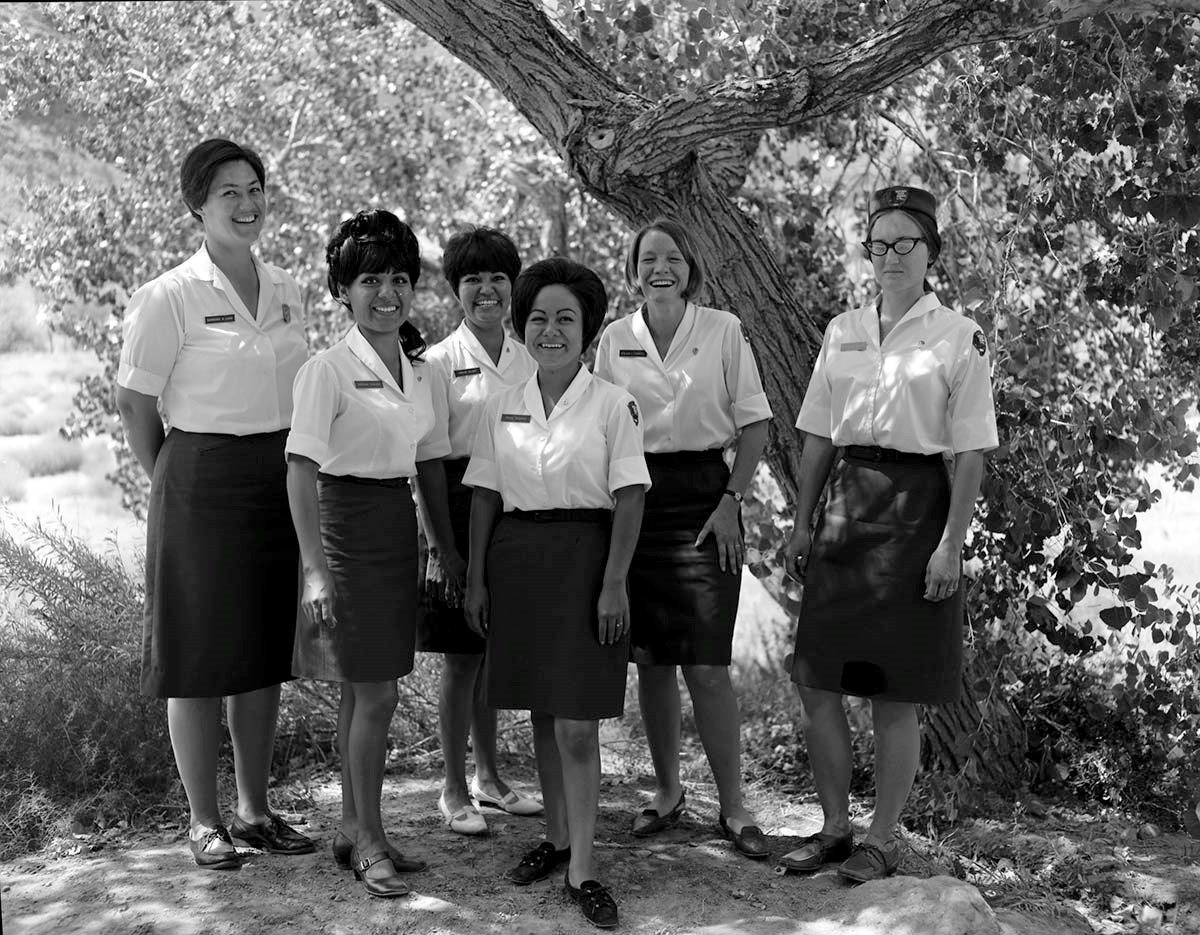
675,458
562,516
873,453
369,481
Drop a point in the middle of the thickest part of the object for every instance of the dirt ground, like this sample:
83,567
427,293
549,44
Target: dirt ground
687,880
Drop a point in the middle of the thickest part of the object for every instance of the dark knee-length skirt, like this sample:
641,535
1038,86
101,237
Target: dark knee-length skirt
865,627
440,627
543,648
222,567
683,605
369,533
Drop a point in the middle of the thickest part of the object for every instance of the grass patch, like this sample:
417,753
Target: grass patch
50,455
12,481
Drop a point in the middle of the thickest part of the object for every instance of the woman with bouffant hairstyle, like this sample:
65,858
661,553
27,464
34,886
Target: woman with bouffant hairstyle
364,425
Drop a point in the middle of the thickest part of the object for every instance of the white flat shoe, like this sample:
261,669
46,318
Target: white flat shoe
514,803
466,820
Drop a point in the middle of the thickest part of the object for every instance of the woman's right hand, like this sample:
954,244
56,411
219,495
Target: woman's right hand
475,608
795,553
317,598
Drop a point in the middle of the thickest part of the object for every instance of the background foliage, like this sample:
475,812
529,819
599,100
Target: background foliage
1066,164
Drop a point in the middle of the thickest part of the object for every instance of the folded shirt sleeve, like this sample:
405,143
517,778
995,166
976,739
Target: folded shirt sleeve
153,336
315,394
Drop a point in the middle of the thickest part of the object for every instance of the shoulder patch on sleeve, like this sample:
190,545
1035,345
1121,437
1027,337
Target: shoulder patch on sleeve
633,411
979,342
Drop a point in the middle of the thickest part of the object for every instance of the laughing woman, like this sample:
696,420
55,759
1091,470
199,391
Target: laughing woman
559,482
217,342
364,425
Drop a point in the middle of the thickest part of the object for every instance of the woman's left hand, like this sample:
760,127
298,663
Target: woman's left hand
613,612
445,576
724,527
942,572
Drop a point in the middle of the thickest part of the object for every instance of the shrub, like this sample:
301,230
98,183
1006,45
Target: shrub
77,731
51,455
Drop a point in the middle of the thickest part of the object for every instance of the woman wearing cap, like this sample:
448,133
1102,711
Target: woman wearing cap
468,368
559,481
898,386
217,342
364,424
693,374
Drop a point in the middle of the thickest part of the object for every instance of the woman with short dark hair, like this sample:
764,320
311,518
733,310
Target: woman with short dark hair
559,480
365,423
217,342
470,366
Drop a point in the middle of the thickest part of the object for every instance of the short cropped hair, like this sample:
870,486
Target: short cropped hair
477,250
697,274
584,284
200,166
371,242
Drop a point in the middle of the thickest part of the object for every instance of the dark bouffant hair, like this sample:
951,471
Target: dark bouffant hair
477,250
375,242
687,246
584,284
201,164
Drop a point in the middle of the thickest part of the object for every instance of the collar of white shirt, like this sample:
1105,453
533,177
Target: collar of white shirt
200,266
361,348
533,396
471,344
641,331
929,302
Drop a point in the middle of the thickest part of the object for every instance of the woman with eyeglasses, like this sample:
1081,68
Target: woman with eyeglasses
901,390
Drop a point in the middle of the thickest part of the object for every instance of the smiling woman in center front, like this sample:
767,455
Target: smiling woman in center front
559,481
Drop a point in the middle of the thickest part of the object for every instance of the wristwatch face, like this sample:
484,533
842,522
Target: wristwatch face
733,493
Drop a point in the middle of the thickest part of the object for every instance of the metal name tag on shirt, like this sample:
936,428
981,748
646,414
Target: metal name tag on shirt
854,345
368,384
468,372
637,352
515,417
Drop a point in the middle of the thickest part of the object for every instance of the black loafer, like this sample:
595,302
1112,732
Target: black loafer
750,841
657,822
215,851
275,836
538,863
597,903
816,850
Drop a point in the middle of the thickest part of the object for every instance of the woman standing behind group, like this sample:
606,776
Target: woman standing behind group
898,384
559,483
468,368
218,341
364,424
695,380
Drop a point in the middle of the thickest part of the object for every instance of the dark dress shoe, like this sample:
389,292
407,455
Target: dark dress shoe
382,887
816,850
597,903
275,836
750,841
342,846
215,851
651,822
538,863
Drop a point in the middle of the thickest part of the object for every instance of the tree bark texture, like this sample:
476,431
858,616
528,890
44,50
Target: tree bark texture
680,156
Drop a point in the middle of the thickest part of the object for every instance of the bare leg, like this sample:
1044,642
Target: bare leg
374,704
719,723
345,719
897,752
658,696
550,775
483,744
195,728
579,750
455,704
827,735
252,717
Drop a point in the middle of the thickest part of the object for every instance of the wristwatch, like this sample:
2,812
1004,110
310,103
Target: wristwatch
736,496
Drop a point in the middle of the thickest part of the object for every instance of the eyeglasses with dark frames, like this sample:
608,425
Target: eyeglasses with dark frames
903,246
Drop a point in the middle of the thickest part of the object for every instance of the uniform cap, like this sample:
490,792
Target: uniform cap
904,198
